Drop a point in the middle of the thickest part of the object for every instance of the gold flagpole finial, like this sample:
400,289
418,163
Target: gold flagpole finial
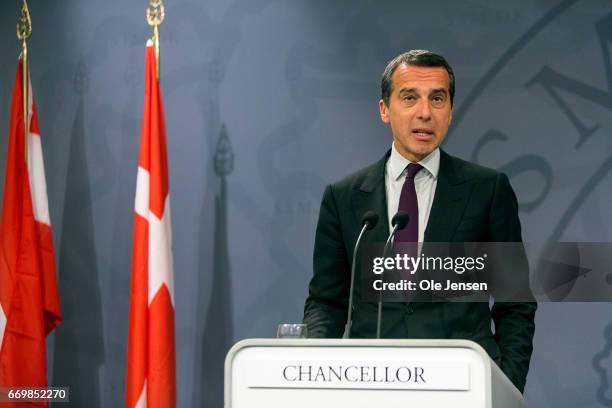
24,23
24,30
155,15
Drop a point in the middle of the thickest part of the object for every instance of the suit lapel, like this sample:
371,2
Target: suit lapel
452,193
370,195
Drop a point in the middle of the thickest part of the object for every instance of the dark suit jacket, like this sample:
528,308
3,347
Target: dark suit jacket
471,204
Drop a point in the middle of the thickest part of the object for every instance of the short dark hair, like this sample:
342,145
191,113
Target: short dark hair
417,58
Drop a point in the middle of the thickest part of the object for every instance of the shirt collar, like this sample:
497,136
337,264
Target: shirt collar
398,163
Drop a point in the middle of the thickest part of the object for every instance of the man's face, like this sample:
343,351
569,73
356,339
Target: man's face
419,110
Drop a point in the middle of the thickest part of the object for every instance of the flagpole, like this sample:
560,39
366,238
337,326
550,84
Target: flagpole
24,30
155,15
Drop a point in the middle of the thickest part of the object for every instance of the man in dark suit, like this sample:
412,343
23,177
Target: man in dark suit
452,200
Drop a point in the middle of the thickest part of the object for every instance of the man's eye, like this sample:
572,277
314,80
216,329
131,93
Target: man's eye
409,98
438,100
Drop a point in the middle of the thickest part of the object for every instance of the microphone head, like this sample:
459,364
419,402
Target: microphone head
369,219
400,219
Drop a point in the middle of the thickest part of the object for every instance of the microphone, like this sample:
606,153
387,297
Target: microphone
368,221
398,222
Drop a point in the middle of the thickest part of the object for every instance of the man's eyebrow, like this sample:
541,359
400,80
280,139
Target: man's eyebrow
414,90
407,90
438,90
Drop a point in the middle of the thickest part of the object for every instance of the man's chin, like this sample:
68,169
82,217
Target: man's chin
416,150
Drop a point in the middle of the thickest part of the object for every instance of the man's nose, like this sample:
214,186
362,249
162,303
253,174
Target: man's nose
424,110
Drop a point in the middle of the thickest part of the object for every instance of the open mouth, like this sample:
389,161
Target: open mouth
423,133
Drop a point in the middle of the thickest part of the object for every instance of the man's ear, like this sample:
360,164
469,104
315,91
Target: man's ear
384,111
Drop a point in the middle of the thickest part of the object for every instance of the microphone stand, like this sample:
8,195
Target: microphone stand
384,255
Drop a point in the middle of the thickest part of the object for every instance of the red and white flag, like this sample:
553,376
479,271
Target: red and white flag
29,302
151,356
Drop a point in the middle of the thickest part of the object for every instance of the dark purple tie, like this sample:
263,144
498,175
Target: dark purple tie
408,203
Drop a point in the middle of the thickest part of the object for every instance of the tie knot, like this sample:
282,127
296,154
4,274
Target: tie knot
413,169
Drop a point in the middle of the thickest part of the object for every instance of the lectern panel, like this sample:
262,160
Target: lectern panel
357,373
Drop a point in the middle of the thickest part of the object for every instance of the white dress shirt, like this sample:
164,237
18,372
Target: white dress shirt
425,183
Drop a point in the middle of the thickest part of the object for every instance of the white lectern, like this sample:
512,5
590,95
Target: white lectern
354,373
